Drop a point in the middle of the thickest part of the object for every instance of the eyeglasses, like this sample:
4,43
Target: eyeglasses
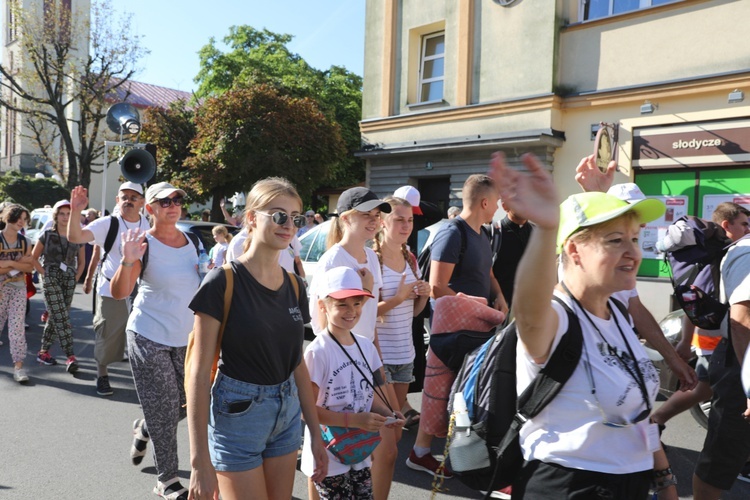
309,216
280,218
167,202
132,198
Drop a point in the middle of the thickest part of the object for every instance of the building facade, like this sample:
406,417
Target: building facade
448,82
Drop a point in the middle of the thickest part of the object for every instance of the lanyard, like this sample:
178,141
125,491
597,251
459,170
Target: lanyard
64,248
378,390
635,371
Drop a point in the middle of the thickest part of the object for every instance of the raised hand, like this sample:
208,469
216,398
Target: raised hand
591,178
531,195
133,245
79,198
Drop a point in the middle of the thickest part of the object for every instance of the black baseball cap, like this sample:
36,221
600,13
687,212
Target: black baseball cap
362,200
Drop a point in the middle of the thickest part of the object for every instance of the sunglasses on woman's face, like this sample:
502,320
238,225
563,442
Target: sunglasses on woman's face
280,218
167,202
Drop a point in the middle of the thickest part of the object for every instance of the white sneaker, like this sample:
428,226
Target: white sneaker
19,375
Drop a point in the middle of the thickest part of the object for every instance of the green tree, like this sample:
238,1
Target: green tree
30,192
262,57
171,130
51,75
249,133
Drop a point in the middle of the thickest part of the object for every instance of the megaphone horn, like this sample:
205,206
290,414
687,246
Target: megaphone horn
138,166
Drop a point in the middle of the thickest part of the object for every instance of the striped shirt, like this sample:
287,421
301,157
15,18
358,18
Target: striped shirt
394,328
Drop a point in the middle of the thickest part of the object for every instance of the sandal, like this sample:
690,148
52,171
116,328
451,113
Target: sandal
412,418
171,490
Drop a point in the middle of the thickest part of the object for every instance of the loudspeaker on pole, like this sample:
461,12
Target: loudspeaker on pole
138,165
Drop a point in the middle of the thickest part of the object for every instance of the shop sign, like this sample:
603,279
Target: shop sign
698,144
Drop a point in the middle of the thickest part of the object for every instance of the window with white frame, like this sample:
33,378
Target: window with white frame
597,9
432,68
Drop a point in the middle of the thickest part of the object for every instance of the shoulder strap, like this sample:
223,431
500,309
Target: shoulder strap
550,380
228,291
295,283
194,238
109,240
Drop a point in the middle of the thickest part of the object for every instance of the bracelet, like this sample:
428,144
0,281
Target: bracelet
346,420
126,264
661,485
366,290
662,472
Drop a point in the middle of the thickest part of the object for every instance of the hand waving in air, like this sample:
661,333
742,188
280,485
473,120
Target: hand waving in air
530,194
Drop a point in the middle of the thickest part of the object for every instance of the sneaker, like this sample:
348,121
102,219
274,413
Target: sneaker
45,358
45,316
140,441
502,493
19,375
171,490
427,464
102,386
71,366
744,474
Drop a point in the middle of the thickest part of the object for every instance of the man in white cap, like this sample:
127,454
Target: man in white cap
110,315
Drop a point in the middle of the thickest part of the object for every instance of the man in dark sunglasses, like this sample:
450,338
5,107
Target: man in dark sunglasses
110,315
309,223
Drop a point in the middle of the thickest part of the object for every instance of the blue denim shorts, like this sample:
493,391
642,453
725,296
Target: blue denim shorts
251,422
399,374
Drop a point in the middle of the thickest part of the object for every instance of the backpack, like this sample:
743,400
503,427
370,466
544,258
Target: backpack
695,272
487,381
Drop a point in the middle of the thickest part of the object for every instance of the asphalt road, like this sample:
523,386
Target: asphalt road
62,441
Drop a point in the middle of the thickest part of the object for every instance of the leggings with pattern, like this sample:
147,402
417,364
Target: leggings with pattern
59,287
13,308
159,376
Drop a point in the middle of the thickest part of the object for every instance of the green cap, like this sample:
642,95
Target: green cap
589,209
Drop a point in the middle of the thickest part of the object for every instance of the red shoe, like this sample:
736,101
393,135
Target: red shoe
45,316
427,464
502,493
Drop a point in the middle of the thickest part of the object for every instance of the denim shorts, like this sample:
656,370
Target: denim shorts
399,374
249,423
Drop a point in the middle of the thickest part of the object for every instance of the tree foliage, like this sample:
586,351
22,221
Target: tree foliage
59,88
30,192
262,57
171,130
249,133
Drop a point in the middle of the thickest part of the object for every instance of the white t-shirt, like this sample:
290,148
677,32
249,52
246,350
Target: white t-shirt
341,388
218,254
394,327
735,288
286,256
570,430
160,310
234,249
337,256
99,229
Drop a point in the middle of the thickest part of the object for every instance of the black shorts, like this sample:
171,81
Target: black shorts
541,480
727,443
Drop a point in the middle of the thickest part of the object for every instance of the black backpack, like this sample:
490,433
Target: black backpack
695,272
487,380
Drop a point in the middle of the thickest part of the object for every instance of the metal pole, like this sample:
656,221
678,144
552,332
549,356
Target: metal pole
104,176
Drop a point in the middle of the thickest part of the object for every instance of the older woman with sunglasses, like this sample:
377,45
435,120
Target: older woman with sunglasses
594,439
158,328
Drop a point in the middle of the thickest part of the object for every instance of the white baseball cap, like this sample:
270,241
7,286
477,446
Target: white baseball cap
340,283
627,191
132,186
410,194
